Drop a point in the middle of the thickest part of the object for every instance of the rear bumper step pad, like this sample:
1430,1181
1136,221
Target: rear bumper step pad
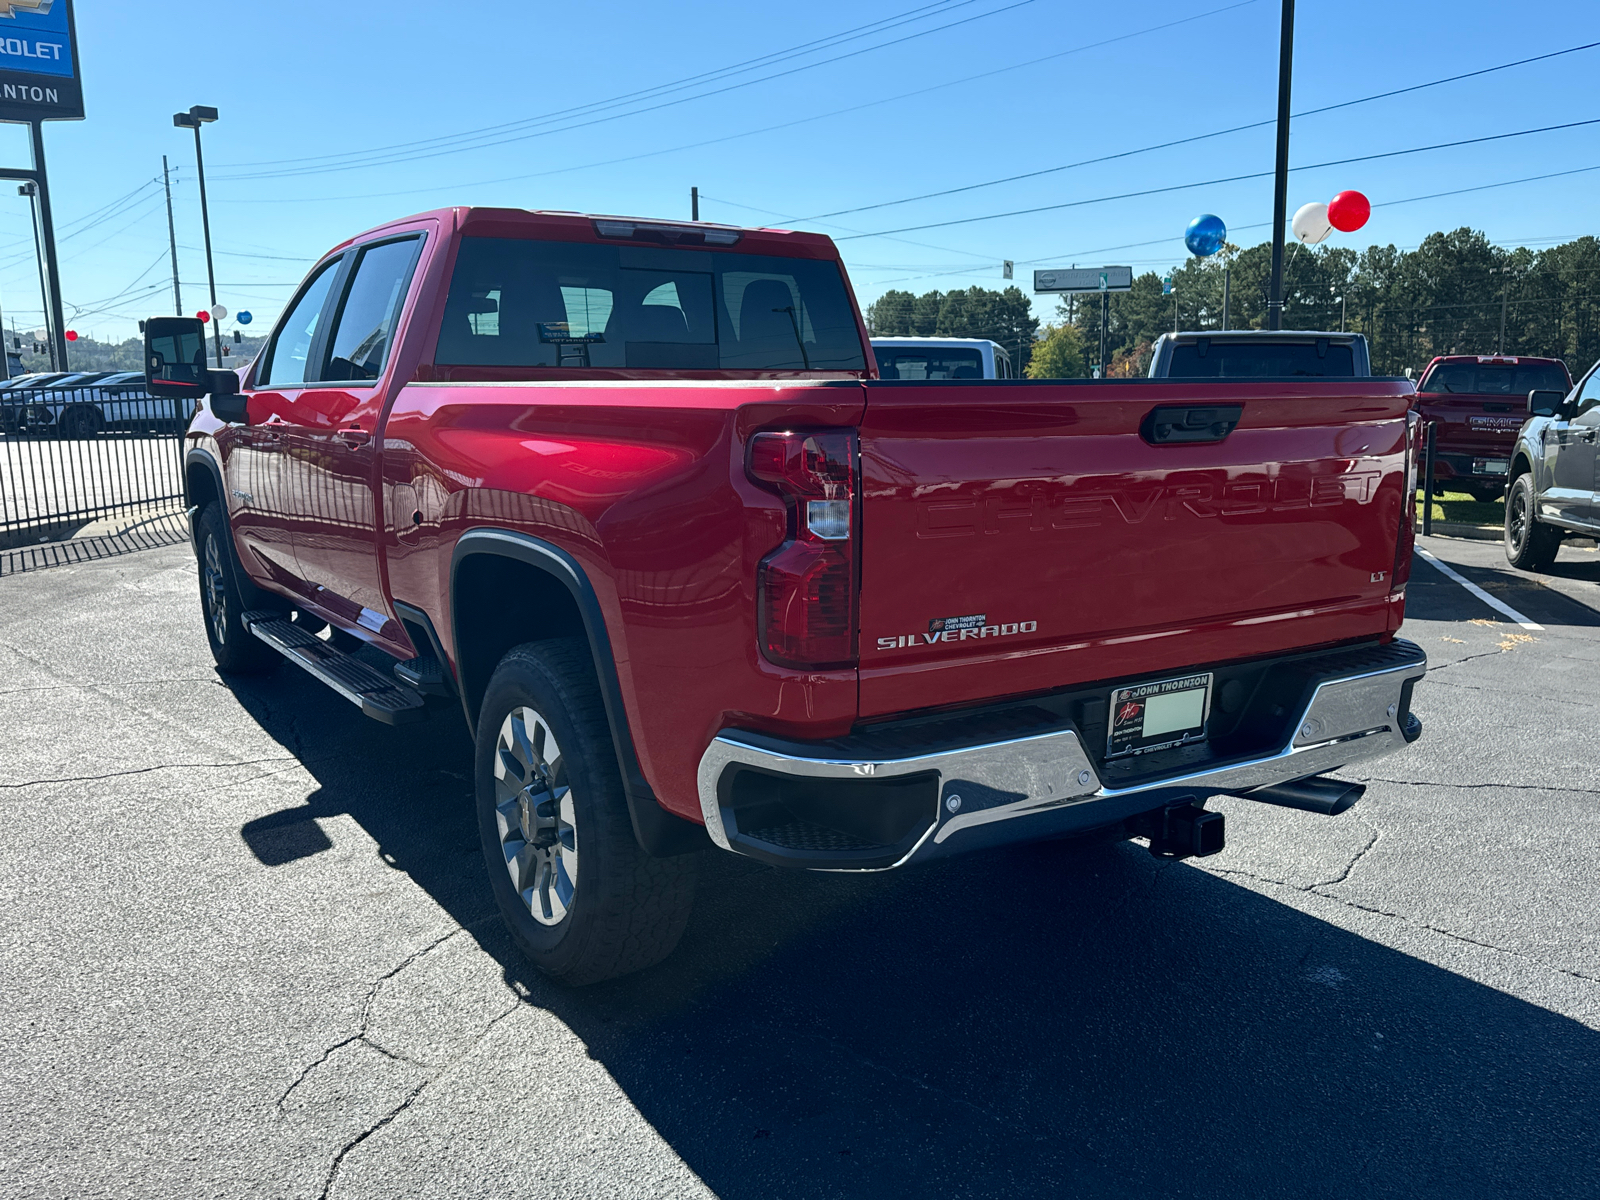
376,695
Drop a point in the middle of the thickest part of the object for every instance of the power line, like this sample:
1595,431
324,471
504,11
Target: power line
1078,254
1178,187
867,30
1185,141
501,141
609,162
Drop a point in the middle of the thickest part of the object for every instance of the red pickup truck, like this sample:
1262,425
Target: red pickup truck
630,498
1479,402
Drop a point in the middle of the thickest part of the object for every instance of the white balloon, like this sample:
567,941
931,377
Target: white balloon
220,312
1311,224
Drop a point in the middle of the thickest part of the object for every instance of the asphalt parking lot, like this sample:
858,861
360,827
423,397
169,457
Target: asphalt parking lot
250,951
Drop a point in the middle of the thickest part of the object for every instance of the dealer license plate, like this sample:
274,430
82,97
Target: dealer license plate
1489,466
1156,715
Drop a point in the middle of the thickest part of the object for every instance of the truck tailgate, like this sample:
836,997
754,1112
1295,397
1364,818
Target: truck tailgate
1022,536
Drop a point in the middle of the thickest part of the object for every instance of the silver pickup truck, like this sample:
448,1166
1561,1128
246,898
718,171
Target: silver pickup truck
1554,489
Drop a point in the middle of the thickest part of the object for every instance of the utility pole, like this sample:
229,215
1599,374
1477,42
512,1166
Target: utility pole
694,204
1280,185
1227,278
1505,293
172,239
1105,319
197,116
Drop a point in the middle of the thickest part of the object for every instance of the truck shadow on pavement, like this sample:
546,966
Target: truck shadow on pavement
1047,1020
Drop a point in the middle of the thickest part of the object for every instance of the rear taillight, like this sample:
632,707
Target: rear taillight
1407,539
807,587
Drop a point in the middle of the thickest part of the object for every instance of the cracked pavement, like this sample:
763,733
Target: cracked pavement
251,952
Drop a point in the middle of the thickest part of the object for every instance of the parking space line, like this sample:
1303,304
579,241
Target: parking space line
1499,606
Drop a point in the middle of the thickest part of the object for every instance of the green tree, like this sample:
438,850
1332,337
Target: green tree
1005,317
1058,355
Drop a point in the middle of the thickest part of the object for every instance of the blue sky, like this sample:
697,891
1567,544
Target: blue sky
305,89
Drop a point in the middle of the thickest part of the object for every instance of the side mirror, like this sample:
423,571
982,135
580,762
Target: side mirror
175,367
1545,403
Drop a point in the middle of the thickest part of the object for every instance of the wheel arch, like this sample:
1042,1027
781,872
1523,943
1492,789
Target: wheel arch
202,480
550,596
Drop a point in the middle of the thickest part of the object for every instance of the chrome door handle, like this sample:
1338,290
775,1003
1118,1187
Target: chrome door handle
354,437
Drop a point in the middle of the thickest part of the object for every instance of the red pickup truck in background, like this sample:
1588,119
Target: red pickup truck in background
1479,402
629,497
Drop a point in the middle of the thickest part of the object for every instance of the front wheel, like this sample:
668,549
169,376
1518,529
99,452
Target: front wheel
1530,544
582,900
222,592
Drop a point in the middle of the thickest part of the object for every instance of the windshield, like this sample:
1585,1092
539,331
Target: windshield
1495,379
1258,360
514,302
941,362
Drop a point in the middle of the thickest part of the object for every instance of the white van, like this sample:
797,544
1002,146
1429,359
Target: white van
941,358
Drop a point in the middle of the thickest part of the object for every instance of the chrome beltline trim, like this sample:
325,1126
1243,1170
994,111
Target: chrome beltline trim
1359,713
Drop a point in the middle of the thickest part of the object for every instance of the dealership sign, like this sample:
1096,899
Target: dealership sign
39,61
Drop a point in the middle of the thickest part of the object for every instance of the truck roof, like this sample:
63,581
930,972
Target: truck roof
934,341
1259,335
603,228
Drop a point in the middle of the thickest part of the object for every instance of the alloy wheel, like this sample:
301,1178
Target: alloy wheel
534,816
211,580
1517,519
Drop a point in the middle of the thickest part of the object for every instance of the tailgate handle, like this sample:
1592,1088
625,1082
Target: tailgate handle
1172,424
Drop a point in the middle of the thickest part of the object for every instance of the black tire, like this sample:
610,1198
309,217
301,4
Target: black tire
1484,493
1530,544
83,421
623,910
225,594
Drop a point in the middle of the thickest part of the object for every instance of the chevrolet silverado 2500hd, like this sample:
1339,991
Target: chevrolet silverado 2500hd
630,497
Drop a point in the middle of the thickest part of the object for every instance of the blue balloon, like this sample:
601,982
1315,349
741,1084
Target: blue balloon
243,318
1205,235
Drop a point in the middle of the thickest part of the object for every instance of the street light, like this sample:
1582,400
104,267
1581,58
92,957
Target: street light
30,189
197,116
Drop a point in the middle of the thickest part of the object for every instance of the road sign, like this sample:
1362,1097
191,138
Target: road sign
1084,279
1166,285
1005,272
39,62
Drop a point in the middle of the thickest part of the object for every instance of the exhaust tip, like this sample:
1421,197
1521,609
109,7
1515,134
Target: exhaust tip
1329,797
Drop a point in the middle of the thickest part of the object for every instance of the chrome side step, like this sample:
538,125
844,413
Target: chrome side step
368,689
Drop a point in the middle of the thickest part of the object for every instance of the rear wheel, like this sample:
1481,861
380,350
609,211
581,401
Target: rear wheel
83,421
1484,493
549,799
1530,544
222,599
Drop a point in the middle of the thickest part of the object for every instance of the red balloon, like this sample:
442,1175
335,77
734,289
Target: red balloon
72,335
1348,211
203,315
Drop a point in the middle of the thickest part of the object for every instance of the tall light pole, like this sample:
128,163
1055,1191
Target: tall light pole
197,116
30,189
1280,184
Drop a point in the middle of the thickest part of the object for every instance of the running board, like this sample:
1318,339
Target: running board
378,697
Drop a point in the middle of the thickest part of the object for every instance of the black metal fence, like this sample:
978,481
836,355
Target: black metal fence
71,458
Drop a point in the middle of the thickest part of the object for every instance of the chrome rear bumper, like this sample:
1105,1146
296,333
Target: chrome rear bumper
1046,784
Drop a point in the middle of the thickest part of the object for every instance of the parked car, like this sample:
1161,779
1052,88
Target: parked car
1260,354
1554,473
629,497
82,406
941,358
1479,402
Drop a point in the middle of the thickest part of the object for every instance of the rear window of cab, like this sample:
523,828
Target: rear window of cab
516,302
1494,379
